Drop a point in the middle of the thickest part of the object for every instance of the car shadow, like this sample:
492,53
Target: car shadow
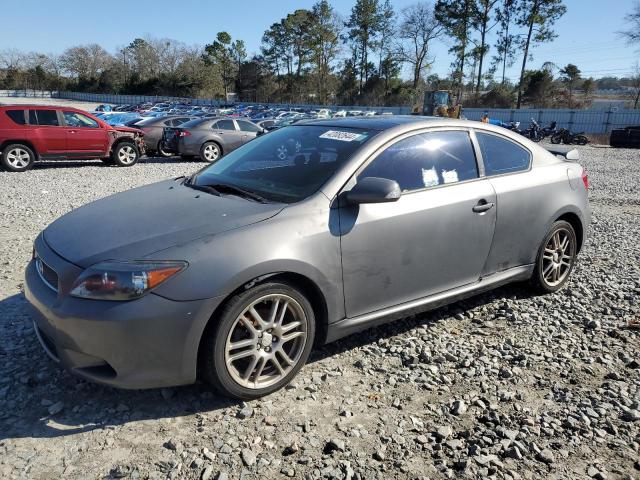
53,164
38,399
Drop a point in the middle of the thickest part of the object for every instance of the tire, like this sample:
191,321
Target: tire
161,152
551,258
581,140
210,152
125,154
556,138
263,349
17,157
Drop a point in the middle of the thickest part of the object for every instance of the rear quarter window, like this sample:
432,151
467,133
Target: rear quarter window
16,116
502,156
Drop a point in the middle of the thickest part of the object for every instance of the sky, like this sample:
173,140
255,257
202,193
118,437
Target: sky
587,34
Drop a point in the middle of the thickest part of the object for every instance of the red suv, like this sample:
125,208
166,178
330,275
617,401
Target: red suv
31,132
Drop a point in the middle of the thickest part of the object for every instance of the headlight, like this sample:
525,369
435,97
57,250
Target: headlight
123,280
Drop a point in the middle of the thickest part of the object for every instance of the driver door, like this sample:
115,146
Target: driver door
434,238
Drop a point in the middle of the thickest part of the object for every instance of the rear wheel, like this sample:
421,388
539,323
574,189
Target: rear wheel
259,342
210,152
581,140
556,138
18,157
162,152
556,258
125,154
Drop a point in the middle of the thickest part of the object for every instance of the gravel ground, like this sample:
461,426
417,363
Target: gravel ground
504,385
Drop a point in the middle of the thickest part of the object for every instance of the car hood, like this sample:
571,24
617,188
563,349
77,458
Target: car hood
136,223
127,129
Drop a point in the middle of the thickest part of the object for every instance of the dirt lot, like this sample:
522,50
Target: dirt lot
505,385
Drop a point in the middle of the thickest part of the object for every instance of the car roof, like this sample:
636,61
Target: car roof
375,123
23,106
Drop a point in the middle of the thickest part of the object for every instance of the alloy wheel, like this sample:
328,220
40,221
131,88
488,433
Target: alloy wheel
18,158
211,153
557,258
127,155
266,341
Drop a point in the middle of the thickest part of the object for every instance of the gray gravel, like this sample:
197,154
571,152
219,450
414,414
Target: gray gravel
504,385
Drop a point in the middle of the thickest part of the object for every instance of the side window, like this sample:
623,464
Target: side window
426,160
501,155
75,119
247,126
224,125
44,117
180,121
16,116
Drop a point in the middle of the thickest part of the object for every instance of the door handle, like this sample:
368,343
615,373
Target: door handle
483,206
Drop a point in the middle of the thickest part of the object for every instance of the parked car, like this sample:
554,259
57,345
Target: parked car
208,138
236,272
268,124
153,129
628,137
30,132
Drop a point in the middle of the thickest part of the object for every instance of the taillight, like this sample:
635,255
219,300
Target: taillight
184,133
585,179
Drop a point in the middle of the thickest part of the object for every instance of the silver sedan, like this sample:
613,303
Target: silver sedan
300,237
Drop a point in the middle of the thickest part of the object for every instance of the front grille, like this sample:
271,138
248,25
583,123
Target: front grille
47,274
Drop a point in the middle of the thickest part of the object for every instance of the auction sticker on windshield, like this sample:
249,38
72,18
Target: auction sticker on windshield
343,136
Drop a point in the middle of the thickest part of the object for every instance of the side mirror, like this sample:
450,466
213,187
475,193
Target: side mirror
374,190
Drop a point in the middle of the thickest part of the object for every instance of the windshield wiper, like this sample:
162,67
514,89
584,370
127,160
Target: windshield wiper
232,189
203,188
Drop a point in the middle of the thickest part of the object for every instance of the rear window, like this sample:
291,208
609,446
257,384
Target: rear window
43,117
193,123
16,116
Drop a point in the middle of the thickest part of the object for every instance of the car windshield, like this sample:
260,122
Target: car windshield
286,165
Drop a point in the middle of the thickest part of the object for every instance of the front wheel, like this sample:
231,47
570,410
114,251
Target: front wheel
259,341
125,154
556,138
556,258
17,158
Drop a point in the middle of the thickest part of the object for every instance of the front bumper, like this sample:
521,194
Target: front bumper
144,343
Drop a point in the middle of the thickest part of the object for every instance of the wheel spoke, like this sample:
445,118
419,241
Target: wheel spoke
257,317
250,367
239,355
259,369
290,326
277,364
249,342
274,311
547,270
248,324
291,336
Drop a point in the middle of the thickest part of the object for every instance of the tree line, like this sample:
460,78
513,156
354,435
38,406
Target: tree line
375,56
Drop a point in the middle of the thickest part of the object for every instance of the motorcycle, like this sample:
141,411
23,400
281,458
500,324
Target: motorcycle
550,129
534,132
568,138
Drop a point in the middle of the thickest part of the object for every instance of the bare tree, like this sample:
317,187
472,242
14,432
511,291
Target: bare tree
418,28
633,19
